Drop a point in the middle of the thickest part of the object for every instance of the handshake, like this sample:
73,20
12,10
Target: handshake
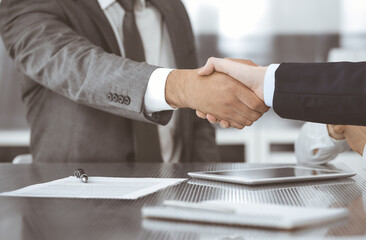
224,91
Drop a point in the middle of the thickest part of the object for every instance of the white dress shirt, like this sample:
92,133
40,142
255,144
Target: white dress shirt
315,146
159,52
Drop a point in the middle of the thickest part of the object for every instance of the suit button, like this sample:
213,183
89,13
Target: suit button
130,157
115,97
127,101
110,96
121,99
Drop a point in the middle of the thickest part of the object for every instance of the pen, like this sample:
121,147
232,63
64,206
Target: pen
80,173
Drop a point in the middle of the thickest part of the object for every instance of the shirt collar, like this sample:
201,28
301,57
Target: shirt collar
104,4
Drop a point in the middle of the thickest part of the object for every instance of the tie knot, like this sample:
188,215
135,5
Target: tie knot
128,5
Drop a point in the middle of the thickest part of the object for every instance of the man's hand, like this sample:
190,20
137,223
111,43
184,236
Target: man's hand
236,68
218,94
356,137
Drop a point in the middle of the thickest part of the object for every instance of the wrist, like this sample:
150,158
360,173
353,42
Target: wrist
258,75
176,88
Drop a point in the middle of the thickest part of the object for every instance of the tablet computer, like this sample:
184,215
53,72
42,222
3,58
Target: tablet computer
268,175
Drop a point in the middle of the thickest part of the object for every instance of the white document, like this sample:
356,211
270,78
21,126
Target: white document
96,188
257,215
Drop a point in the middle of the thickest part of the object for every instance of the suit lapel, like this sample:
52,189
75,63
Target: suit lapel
97,15
180,31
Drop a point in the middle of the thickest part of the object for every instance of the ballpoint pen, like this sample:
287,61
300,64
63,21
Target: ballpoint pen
80,173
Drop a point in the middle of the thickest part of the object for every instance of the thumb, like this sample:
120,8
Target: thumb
208,68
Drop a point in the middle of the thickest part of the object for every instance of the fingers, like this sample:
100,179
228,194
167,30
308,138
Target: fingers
356,137
339,129
212,119
201,115
336,131
247,113
224,124
251,100
240,116
236,113
236,120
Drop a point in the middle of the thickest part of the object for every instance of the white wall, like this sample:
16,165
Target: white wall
236,18
353,16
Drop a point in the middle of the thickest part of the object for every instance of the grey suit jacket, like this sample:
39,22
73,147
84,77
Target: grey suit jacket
72,70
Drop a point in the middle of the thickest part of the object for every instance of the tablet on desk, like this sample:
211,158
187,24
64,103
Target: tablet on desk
269,175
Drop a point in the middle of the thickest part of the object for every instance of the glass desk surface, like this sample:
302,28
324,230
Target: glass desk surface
41,218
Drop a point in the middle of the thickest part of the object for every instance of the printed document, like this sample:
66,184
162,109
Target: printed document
96,188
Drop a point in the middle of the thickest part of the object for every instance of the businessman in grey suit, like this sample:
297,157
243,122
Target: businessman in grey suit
93,90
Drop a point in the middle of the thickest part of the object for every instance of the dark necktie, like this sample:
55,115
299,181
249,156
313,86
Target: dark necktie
146,135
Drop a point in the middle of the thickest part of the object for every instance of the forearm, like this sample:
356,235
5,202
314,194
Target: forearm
322,92
178,85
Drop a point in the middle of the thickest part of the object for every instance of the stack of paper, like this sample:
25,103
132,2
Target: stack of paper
258,215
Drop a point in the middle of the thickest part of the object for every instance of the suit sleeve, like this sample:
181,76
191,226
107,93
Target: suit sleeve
322,92
204,146
51,53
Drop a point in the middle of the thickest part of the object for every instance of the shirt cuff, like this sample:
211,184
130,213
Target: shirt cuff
269,84
364,157
338,143
154,100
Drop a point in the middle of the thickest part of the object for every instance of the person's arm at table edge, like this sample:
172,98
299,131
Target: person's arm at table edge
316,144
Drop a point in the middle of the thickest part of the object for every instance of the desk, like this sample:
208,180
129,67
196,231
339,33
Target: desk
40,218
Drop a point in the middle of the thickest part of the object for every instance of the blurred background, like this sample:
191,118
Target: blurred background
265,31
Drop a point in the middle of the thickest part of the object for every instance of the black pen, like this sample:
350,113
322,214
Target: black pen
80,173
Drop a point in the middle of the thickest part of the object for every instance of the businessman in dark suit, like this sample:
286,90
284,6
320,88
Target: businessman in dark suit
93,90
333,93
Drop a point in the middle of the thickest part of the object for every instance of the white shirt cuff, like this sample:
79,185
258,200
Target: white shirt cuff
364,157
269,84
154,100
338,143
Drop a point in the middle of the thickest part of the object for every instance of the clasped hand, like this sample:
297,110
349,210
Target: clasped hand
250,76
227,91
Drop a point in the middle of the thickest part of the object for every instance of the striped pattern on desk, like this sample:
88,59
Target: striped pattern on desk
118,219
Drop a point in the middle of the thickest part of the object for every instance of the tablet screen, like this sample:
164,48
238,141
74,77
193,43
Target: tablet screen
273,172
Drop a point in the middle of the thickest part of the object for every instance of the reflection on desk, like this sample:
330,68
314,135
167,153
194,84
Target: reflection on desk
41,218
